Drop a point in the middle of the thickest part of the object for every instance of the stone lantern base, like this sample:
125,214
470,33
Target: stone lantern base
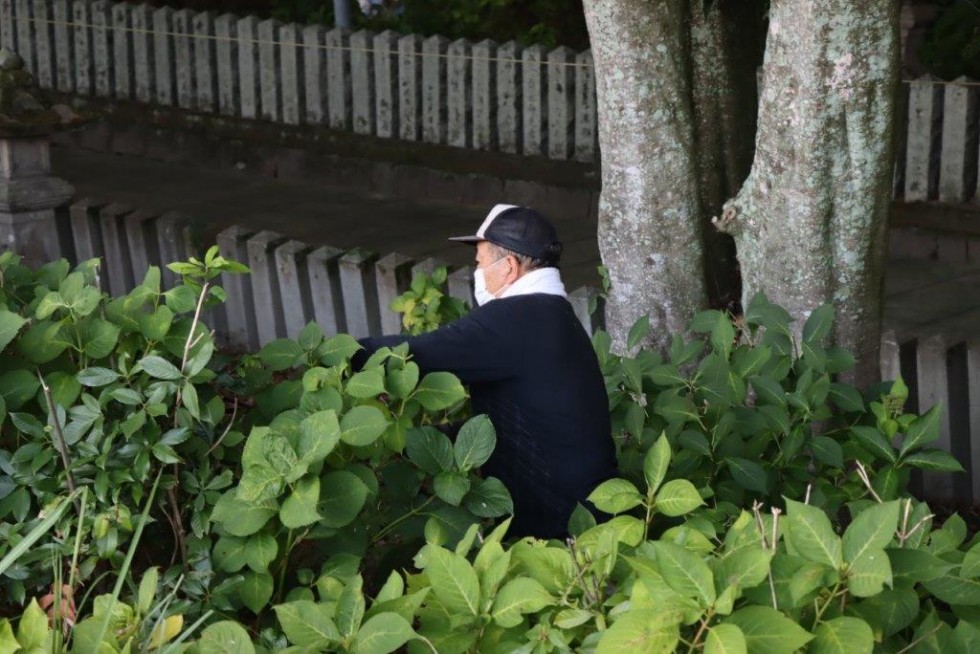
28,198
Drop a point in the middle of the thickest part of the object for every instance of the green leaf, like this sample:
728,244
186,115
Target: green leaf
638,332
42,342
937,460
362,425
819,324
725,639
924,430
747,474
99,337
159,368
94,377
429,449
188,396
746,567
685,572
154,326
147,590
678,497
812,535
827,451
367,383
381,634
912,566
226,637
869,573
281,354
438,391
8,644
307,624
970,568
299,509
896,609
33,627
767,631
231,554
255,590
475,443
872,529
242,518
319,434
344,495
261,551
489,498
875,442
337,350
655,463
615,496
450,486
843,635
954,590
350,607
402,382
453,581
310,337
640,630
10,324
518,597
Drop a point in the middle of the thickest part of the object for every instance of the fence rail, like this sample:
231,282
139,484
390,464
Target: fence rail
485,96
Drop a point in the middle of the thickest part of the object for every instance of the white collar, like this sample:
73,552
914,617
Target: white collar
542,280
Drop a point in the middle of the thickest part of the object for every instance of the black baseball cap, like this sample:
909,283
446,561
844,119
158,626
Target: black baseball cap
520,230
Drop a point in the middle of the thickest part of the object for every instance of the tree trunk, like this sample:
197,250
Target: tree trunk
649,235
727,44
810,222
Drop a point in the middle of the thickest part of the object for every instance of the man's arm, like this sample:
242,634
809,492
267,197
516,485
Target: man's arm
479,347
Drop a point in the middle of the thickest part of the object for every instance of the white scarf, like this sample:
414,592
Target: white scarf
542,280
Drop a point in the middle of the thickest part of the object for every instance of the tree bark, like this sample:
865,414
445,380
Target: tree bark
810,221
727,45
649,209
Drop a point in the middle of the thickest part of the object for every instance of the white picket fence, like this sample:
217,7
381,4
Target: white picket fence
485,96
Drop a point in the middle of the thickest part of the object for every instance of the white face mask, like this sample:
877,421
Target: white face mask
480,292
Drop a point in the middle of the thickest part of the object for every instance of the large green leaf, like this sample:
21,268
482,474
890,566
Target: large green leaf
517,597
616,496
655,463
646,630
911,566
818,324
970,567
230,553
42,342
337,349
678,497
685,572
475,443
489,498
255,590
725,639
924,430
748,474
362,425
381,634
955,590
281,354
349,610
453,581
242,518
895,609
307,624
342,496
367,383
450,486
872,529
843,635
746,567
159,368
10,324
767,631
812,535
226,637
319,434
429,449
875,442
299,509
869,573
33,628
438,391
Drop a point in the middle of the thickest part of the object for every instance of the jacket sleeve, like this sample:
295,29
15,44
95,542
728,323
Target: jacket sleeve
482,346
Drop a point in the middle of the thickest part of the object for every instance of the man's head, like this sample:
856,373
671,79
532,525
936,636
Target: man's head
511,242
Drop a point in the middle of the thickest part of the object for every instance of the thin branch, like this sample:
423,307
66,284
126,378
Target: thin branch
197,317
62,446
863,474
231,421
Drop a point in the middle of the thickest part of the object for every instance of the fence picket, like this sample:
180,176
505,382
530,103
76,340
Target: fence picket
484,95
325,289
183,52
393,275
459,84
925,112
63,36
294,286
122,49
291,66
315,74
271,102
410,87
242,331
362,81
386,84
248,67
8,25
267,302
226,60
141,18
164,83
561,103
44,44
958,168
360,293
338,78
534,98
205,69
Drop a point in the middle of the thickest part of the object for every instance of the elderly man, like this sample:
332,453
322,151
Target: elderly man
531,368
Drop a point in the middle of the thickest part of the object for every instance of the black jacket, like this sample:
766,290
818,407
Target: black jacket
531,368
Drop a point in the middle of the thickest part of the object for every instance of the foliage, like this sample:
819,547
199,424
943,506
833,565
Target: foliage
952,46
424,307
105,393
756,416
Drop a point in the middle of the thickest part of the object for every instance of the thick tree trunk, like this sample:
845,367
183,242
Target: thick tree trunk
649,210
810,222
727,44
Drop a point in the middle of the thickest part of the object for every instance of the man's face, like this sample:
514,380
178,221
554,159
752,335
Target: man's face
497,273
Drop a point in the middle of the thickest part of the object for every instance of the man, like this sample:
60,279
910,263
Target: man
531,368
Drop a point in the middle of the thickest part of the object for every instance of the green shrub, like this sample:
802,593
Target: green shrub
952,46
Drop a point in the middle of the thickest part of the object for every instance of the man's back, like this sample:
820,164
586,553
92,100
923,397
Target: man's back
531,368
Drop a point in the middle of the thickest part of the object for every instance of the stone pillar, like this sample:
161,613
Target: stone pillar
29,195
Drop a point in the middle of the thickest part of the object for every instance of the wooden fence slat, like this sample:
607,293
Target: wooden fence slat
925,114
44,44
141,18
338,78
205,69
269,70
325,289
410,87
294,286
586,115
393,275
434,89
510,88
84,69
386,84
561,103
248,67
315,74
291,66
122,52
184,58
958,162
360,293
484,95
242,331
102,51
164,81
226,59
534,100
118,263
64,71
86,230
362,81
268,307
141,239
933,388
25,33
459,94
8,25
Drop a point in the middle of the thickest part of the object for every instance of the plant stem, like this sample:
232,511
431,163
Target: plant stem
284,565
197,317
705,621
394,523
62,447
179,534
